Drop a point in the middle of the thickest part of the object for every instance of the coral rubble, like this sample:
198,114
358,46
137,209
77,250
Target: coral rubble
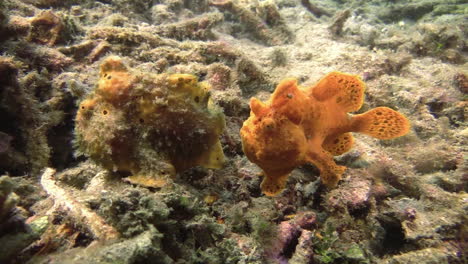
99,229
46,28
265,24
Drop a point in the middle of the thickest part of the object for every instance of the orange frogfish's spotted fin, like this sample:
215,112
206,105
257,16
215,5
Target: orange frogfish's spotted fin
330,178
330,172
345,89
338,145
381,123
272,186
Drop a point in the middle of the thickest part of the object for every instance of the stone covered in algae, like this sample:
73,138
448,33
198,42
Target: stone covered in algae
149,125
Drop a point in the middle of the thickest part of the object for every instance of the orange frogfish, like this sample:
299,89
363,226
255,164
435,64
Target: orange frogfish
311,125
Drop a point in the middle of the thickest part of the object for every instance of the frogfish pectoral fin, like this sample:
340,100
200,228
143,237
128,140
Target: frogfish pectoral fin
148,180
157,176
330,172
214,157
272,186
338,145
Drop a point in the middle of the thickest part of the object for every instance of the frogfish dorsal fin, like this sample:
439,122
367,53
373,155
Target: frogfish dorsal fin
346,90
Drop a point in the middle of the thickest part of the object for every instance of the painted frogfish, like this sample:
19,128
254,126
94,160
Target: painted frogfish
149,126
300,125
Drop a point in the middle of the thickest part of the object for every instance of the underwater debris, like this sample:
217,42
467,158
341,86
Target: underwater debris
43,56
198,28
62,198
119,35
266,24
336,28
219,76
88,50
151,126
446,253
311,125
30,109
279,57
354,194
249,76
144,247
293,243
15,233
315,10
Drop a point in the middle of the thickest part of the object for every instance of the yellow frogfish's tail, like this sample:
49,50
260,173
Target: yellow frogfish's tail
381,123
272,186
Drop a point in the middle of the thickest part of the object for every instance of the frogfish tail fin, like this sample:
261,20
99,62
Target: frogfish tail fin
381,123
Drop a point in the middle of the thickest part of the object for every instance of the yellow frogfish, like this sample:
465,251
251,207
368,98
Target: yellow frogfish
150,126
300,125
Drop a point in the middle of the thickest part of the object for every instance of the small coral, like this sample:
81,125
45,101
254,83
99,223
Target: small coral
311,125
336,28
47,28
435,157
149,125
315,10
219,76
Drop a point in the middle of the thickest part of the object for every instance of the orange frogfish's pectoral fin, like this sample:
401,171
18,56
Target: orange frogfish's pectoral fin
346,90
381,123
338,145
273,185
330,172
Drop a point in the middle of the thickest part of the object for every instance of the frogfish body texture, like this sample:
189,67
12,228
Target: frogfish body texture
311,125
149,125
